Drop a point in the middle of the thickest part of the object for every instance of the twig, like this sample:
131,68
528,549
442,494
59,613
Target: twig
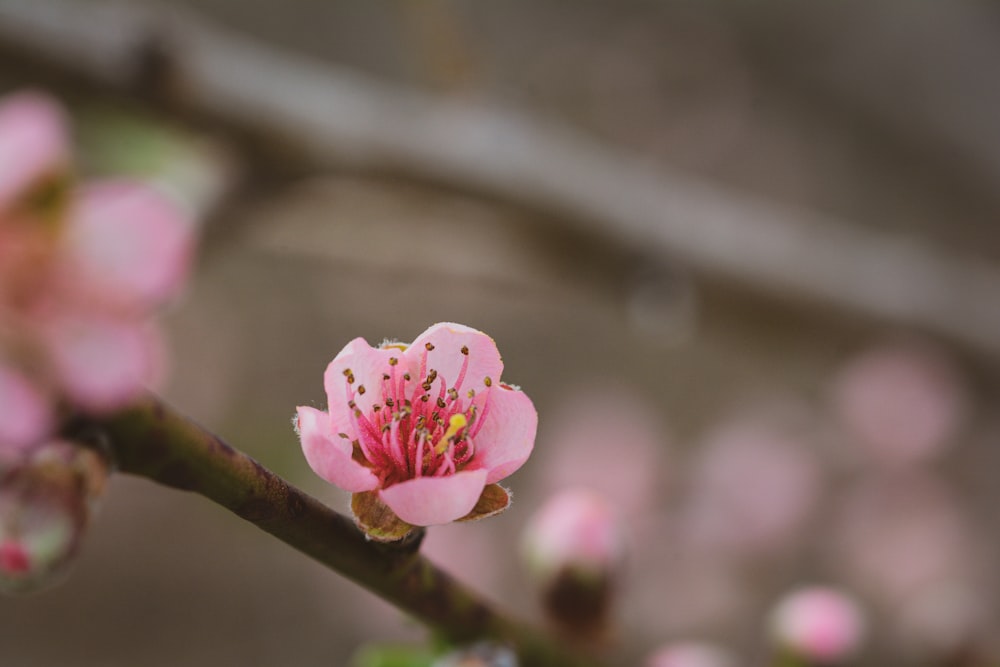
150,440
336,116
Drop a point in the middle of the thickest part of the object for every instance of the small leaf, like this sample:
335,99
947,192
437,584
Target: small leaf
392,656
375,518
493,500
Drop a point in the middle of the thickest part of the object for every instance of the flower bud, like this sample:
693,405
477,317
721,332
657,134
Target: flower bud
690,654
573,547
46,502
822,625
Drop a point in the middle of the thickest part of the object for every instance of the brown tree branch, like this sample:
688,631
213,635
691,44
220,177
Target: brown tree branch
150,440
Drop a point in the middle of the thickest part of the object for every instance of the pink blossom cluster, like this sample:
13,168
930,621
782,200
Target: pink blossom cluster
82,267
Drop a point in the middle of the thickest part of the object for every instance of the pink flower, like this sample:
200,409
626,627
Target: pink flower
425,427
818,623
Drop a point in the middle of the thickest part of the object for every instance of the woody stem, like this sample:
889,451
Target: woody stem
151,440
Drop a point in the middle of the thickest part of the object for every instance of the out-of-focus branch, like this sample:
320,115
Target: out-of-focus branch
152,441
341,117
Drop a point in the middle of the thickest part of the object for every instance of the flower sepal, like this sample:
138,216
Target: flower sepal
381,524
378,522
492,501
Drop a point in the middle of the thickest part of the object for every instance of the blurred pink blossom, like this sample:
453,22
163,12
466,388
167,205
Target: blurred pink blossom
894,536
25,413
102,361
752,488
903,403
690,654
426,425
575,529
33,143
125,247
81,272
818,623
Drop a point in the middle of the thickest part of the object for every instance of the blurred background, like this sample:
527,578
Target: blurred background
744,257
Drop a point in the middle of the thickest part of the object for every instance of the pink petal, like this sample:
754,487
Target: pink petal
429,501
128,243
447,359
32,142
25,414
103,363
367,366
507,436
329,455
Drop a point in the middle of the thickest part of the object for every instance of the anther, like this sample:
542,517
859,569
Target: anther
361,387
453,394
472,393
350,378
432,375
389,402
393,361
440,402
344,436
488,381
429,347
425,398
376,407
426,386
465,349
385,376
406,376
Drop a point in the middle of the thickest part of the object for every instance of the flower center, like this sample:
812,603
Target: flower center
423,426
